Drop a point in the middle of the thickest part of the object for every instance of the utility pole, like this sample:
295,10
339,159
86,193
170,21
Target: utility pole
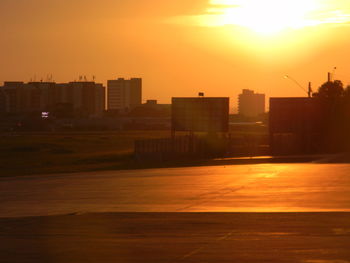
333,73
309,90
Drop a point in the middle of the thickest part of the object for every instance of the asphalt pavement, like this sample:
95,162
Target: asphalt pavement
240,213
178,237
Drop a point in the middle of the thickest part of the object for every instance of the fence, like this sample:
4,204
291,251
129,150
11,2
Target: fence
200,147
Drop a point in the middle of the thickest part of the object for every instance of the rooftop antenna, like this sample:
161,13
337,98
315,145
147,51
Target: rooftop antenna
333,73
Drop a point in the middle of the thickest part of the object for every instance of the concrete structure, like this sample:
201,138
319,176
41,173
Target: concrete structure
296,125
87,98
251,104
124,95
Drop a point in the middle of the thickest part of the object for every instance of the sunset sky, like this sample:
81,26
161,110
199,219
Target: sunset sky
178,47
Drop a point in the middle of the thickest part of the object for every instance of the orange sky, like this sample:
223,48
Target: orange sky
170,47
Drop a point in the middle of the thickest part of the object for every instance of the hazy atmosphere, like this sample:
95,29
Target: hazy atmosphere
175,131
177,47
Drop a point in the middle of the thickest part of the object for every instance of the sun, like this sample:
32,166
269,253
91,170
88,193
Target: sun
263,16
270,17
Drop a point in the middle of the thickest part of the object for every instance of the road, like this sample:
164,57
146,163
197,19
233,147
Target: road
105,216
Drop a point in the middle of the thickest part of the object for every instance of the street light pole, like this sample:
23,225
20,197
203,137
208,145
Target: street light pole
309,92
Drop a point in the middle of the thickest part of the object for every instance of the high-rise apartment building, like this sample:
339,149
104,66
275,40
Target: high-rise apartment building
251,104
124,95
85,98
20,97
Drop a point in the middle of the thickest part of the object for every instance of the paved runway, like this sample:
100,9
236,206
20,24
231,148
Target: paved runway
105,216
237,188
178,237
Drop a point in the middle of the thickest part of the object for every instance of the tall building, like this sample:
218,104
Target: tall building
85,98
251,104
124,95
20,97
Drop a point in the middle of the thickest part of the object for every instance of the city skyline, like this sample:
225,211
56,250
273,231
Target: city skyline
120,93
155,41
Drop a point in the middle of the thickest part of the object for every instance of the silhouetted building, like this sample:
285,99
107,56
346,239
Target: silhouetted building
9,97
296,125
202,114
251,104
151,103
124,95
151,109
20,97
85,98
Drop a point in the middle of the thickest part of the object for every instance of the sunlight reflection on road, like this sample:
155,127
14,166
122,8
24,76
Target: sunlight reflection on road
236,188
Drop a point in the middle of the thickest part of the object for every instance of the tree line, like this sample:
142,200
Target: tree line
334,99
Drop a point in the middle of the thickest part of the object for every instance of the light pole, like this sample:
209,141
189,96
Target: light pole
309,91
